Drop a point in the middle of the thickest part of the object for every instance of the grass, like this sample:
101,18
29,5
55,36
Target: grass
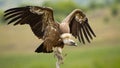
107,57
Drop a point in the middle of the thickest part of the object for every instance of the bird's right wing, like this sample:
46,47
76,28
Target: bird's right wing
37,17
79,26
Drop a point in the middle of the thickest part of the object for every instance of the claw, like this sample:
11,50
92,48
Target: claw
59,56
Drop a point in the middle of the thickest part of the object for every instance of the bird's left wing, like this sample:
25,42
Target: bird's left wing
37,17
79,26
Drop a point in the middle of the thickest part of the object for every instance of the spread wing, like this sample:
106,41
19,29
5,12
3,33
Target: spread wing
79,26
37,17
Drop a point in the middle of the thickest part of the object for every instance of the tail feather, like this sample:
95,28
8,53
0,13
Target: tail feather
42,49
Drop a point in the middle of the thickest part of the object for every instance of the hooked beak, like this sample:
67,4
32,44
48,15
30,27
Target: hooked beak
73,44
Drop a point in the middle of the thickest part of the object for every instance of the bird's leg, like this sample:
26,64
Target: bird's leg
59,56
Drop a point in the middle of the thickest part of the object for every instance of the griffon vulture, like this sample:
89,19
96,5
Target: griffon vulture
53,34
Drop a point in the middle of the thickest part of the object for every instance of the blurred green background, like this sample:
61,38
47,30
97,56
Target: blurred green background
17,43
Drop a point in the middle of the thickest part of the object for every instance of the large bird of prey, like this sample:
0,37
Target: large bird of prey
54,35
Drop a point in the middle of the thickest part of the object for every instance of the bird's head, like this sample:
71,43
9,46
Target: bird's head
66,37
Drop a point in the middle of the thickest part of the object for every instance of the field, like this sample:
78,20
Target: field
17,45
107,57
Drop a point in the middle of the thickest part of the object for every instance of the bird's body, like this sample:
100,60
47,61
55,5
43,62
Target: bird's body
51,36
54,35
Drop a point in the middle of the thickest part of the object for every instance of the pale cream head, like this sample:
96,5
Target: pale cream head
66,37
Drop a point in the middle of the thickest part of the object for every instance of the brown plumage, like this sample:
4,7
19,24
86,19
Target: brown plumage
43,25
